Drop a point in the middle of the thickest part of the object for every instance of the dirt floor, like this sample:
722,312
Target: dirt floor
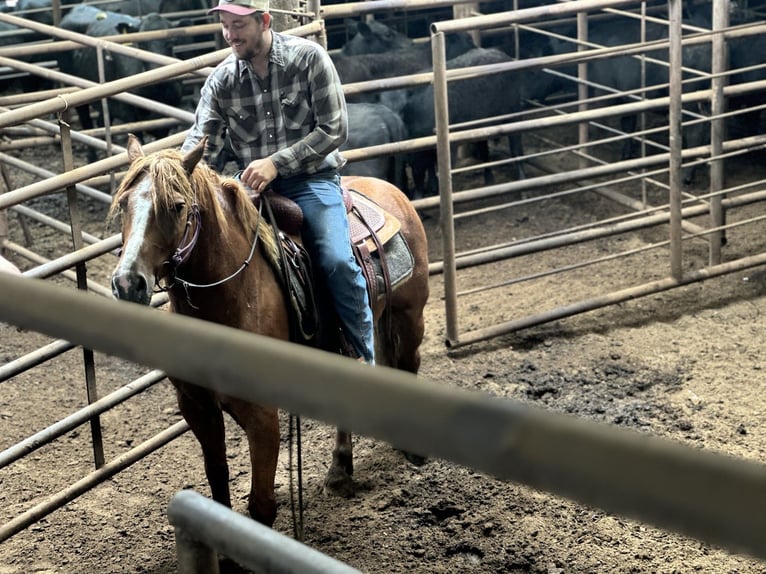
684,365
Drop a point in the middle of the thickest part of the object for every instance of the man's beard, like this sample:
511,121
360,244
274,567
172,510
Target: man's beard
248,53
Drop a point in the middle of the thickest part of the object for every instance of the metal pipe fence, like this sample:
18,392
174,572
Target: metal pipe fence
667,161
527,450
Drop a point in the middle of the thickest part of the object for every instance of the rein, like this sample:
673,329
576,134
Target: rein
185,247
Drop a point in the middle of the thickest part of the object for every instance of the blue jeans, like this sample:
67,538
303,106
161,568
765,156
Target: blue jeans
326,237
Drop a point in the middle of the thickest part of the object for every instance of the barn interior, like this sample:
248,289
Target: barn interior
632,160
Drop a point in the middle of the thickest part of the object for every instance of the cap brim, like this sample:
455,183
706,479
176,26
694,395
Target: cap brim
233,9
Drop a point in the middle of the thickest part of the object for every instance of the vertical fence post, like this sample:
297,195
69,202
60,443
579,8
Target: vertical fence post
719,64
446,213
78,242
676,143
193,556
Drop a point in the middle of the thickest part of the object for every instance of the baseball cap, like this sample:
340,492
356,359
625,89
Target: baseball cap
241,7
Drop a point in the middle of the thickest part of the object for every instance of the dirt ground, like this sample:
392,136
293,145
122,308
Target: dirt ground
685,365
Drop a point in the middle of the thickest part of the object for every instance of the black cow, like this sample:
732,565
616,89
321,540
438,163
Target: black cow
375,124
35,10
373,37
470,99
144,7
622,73
83,62
40,10
79,18
748,52
399,62
11,35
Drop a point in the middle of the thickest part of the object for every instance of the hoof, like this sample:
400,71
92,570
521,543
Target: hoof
265,513
339,483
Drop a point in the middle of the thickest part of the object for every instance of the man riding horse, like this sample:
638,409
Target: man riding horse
280,102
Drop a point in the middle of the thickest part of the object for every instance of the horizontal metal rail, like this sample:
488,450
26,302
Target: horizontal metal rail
715,498
36,357
86,483
350,9
204,528
694,276
61,427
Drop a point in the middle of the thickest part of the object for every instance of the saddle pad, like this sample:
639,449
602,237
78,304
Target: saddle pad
399,260
381,222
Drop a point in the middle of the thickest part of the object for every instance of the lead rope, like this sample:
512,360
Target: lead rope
297,522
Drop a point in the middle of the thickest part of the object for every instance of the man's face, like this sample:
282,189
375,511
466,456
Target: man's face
245,35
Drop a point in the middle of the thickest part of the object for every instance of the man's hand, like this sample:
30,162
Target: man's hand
259,173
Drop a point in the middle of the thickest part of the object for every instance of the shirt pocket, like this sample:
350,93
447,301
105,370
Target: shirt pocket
296,110
242,125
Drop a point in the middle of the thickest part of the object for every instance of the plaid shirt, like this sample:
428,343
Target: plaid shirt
296,116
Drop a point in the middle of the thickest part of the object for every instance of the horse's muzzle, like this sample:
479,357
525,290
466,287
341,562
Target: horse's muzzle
131,287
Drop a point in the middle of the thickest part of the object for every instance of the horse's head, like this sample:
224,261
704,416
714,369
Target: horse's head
157,205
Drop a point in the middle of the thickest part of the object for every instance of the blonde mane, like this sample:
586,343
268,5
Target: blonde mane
170,180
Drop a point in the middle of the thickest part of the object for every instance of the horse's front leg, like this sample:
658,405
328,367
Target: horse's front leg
205,419
338,481
261,425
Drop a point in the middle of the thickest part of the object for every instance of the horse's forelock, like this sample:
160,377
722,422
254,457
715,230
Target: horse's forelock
169,179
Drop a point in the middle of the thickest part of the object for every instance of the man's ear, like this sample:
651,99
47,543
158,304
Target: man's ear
266,20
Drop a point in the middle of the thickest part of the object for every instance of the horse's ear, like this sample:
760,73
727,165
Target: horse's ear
191,159
134,148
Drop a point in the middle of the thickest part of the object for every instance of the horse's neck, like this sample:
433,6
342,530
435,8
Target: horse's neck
220,252
244,291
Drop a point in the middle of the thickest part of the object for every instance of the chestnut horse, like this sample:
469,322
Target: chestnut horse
190,231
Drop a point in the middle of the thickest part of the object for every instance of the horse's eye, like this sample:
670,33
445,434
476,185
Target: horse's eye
179,207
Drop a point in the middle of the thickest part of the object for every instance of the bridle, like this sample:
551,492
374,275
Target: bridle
185,247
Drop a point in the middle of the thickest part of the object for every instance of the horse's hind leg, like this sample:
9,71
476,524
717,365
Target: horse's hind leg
261,425
402,351
338,481
206,421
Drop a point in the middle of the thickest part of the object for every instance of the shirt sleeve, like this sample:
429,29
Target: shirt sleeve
208,120
331,121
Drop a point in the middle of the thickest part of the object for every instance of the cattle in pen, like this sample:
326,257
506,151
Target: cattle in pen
84,63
